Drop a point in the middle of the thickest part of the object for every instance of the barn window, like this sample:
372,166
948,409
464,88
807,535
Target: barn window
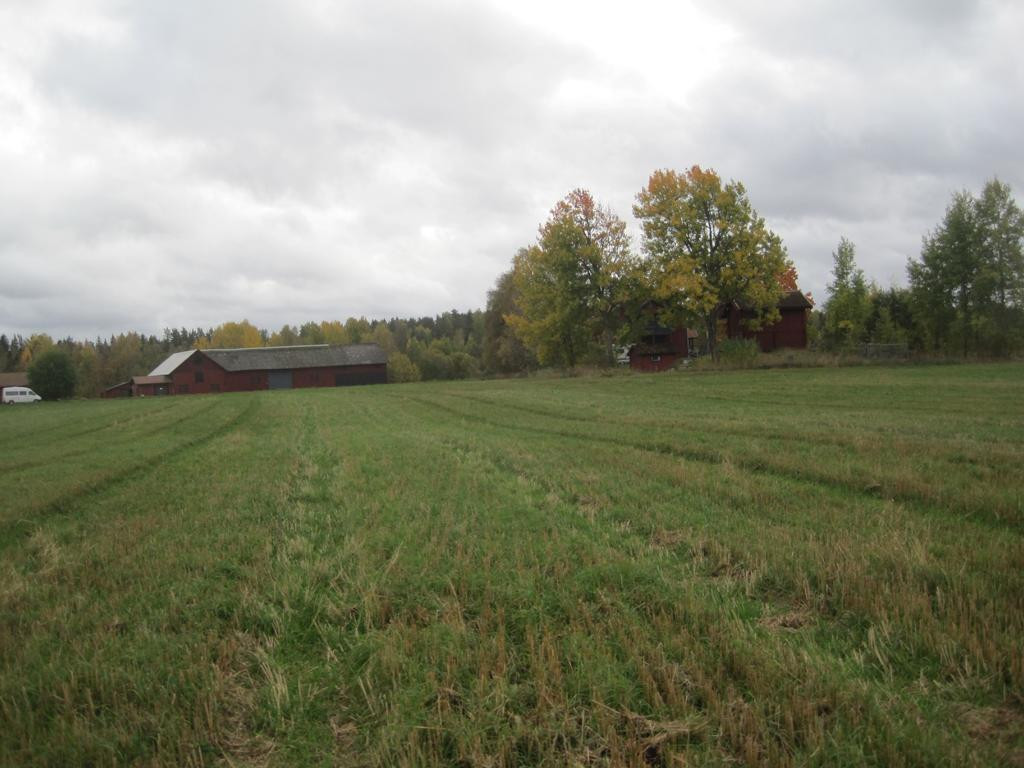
655,358
199,377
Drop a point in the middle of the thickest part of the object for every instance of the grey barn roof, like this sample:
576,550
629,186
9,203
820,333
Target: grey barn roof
310,356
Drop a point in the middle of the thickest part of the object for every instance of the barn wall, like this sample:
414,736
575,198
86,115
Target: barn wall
216,379
644,363
789,331
123,390
149,390
184,377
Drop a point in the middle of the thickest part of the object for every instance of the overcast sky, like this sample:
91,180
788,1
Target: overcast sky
186,162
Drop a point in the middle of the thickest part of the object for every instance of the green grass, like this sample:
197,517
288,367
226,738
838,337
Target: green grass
787,567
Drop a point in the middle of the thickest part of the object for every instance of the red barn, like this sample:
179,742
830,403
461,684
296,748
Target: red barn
202,371
790,330
661,347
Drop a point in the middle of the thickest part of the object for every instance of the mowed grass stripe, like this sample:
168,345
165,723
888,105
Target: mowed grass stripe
126,427
878,477
47,490
119,634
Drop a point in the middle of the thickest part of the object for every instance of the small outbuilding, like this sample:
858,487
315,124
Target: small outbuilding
139,386
660,347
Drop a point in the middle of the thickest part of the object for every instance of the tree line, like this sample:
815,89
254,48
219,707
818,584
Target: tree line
964,293
445,346
581,292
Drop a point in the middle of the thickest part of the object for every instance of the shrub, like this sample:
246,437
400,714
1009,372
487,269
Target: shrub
401,368
740,353
52,375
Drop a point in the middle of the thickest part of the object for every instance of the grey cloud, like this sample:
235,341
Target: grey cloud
201,162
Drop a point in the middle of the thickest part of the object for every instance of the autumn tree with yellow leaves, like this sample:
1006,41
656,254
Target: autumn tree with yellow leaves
707,248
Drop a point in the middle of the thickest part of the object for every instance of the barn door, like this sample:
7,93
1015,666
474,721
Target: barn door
279,380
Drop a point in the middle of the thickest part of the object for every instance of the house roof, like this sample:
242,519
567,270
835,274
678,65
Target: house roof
792,300
278,358
307,356
14,379
795,300
653,349
167,367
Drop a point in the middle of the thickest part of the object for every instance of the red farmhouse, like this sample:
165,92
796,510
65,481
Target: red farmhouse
660,347
201,371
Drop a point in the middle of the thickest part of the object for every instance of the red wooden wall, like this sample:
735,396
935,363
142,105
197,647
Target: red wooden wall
216,379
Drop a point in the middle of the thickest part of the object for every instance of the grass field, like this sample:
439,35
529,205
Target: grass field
805,567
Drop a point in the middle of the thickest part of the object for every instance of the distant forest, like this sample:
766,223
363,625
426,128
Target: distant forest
446,346
577,295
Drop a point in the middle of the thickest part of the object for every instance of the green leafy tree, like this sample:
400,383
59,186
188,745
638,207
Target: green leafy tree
87,369
503,351
968,285
401,369
891,320
357,329
382,337
286,337
848,305
52,375
572,286
708,248
311,333
1000,285
551,319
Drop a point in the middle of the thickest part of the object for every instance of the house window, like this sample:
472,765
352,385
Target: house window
199,377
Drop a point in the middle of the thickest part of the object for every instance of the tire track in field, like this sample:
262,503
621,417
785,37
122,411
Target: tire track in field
86,419
982,514
11,531
897,444
694,566
8,468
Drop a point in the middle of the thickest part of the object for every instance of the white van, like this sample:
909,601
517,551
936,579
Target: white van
14,395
